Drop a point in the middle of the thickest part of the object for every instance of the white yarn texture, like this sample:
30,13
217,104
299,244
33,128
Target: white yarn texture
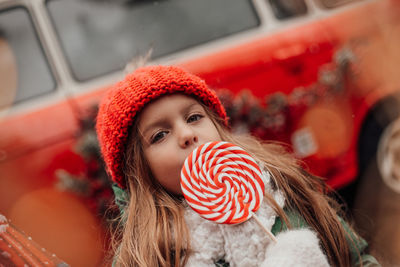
246,244
295,248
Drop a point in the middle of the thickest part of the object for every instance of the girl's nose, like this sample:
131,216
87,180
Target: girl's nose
187,137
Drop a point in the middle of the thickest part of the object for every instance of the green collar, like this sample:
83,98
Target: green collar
121,198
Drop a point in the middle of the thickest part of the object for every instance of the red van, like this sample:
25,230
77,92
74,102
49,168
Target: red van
319,75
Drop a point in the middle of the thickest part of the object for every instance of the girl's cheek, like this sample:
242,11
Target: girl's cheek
166,151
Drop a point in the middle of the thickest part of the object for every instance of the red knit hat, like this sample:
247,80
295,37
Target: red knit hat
125,99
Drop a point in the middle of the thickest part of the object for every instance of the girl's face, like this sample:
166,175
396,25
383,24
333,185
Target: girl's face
170,128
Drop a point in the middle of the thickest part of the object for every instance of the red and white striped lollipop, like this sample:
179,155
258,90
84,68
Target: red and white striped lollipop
222,183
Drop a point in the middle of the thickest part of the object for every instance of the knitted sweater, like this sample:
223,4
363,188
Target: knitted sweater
249,241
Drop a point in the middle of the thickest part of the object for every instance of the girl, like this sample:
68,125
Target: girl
147,125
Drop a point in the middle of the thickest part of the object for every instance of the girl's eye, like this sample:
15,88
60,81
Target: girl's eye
194,117
158,136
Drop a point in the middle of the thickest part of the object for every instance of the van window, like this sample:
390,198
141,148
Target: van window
99,37
284,9
335,3
24,71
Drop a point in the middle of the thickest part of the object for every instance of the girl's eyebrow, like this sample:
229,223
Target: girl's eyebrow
155,124
189,107
164,121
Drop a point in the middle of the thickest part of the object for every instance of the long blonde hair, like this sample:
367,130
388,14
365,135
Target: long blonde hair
153,231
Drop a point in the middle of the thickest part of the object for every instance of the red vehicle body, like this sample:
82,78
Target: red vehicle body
37,138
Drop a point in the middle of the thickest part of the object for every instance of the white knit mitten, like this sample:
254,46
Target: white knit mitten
245,243
295,248
207,242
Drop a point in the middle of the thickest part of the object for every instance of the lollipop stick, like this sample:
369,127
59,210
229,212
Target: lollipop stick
265,229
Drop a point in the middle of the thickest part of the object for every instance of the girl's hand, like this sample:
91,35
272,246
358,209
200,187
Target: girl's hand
298,248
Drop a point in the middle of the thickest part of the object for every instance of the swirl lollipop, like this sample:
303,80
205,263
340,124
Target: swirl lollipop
223,183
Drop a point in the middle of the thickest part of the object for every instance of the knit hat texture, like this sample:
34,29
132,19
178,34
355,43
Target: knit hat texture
121,103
